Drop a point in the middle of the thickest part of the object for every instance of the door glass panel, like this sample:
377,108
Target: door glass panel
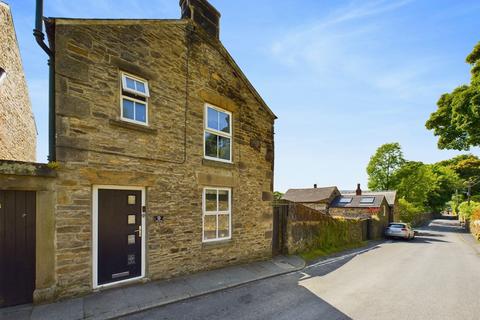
132,199
223,226
210,227
131,219
131,239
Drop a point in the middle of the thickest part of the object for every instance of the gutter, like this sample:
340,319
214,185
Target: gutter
40,38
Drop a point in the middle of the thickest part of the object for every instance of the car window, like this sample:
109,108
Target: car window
396,225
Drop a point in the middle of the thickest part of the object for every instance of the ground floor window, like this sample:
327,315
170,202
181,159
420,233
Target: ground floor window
217,215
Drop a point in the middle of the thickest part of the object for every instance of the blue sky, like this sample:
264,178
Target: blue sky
343,77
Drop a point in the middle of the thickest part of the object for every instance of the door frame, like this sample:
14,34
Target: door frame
95,189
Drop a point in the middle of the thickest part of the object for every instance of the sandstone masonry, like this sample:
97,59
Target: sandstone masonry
186,68
17,125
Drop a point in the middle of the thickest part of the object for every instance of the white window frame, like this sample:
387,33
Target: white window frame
3,75
134,111
125,75
146,95
217,132
217,213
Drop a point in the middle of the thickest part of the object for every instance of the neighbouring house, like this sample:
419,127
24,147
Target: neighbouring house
373,208
164,156
315,198
18,133
390,196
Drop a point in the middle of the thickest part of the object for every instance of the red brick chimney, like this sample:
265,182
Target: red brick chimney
204,14
359,190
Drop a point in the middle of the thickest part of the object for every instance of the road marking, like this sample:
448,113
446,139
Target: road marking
332,260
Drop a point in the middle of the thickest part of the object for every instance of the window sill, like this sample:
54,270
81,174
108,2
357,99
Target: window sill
132,126
217,244
218,164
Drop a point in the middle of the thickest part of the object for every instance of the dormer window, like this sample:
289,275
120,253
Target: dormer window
134,105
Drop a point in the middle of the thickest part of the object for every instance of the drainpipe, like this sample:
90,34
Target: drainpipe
40,38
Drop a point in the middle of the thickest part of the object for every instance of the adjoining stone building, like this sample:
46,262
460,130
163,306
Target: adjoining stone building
17,126
165,152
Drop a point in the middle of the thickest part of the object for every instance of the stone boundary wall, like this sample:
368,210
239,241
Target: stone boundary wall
422,219
475,228
27,176
308,229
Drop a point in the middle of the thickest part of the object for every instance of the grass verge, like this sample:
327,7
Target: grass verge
325,251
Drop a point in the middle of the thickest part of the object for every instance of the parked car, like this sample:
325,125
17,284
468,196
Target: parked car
400,230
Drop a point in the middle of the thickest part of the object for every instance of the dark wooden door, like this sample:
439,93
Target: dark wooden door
17,247
119,235
280,213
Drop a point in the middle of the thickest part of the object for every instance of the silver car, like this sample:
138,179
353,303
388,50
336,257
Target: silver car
400,230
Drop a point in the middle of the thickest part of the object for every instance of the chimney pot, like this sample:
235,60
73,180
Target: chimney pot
204,14
359,190
315,186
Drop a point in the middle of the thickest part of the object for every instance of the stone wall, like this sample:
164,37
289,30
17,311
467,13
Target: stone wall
17,126
309,229
185,70
377,216
24,176
475,228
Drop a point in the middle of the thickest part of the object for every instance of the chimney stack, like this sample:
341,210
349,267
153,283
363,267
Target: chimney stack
204,14
359,190
315,186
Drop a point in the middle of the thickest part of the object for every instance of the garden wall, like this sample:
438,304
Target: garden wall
308,229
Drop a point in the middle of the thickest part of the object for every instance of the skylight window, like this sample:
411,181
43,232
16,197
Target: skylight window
345,200
367,200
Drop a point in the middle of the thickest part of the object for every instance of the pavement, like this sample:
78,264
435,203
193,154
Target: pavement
435,276
130,300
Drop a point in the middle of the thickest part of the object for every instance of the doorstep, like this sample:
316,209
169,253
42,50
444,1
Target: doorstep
117,302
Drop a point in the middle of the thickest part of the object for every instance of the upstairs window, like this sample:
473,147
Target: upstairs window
218,134
3,75
134,105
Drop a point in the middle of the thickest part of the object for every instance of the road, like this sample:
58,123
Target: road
435,276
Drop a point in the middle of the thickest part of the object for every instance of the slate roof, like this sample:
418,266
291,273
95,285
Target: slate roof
309,195
390,195
356,201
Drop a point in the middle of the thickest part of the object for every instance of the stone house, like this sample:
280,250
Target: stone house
18,132
165,152
373,208
315,198
164,157
390,196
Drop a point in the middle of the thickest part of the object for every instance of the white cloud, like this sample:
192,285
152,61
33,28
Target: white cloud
354,45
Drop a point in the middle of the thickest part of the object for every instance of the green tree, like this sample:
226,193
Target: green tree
447,182
456,120
383,165
467,167
415,182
